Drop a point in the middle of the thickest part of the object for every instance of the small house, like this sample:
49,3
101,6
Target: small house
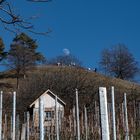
48,98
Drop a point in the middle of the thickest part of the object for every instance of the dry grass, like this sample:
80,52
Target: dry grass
64,80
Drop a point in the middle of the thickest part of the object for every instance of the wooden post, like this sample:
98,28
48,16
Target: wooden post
41,118
14,115
11,126
17,128
25,115
33,121
74,121
122,112
56,119
52,130
5,127
86,127
81,120
1,94
70,126
135,116
126,118
28,126
113,114
77,116
104,113
23,132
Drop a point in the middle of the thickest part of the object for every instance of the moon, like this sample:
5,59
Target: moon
66,51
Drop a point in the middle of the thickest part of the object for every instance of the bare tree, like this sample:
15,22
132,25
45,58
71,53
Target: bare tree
14,22
119,62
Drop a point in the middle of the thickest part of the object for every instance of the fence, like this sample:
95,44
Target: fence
80,124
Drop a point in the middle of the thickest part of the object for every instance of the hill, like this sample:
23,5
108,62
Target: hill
63,81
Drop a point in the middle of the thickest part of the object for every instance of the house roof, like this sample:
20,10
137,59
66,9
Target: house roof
52,95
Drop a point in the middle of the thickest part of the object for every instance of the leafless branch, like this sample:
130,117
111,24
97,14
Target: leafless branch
12,30
25,26
13,18
39,0
1,1
41,33
10,19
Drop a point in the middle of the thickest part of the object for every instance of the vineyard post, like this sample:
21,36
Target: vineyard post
1,94
104,113
56,119
113,114
126,118
41,118
14,115
86,127
77,116
28,125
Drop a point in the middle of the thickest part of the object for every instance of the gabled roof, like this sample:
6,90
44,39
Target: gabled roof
49,92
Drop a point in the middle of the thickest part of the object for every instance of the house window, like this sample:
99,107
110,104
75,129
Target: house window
49,115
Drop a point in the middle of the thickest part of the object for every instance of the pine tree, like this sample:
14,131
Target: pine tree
23,54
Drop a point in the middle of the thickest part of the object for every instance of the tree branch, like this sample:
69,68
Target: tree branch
41,33
1,1
39,0
10,19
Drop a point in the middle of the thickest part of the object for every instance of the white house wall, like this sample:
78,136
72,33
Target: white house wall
48,102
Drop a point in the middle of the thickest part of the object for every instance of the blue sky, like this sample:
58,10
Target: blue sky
84,27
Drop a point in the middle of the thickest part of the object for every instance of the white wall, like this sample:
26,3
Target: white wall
48,102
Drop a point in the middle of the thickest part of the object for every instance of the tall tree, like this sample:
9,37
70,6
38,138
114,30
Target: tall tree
119,62
23,54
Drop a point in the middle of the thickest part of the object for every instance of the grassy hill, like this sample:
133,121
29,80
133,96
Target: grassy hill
63,81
